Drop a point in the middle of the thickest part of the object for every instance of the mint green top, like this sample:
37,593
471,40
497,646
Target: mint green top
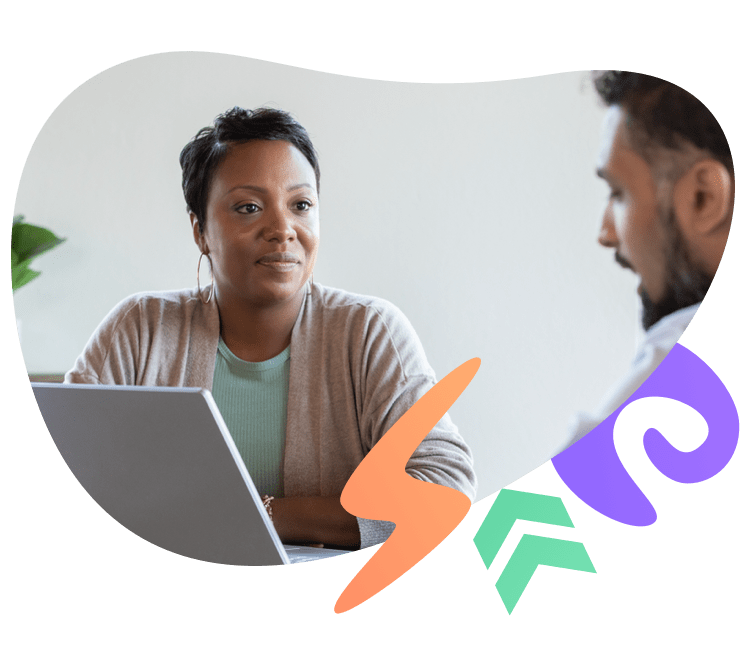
253,399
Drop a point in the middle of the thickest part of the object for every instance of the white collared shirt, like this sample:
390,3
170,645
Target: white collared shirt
657,343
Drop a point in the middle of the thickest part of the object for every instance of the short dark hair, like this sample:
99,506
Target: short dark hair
205,151
665,112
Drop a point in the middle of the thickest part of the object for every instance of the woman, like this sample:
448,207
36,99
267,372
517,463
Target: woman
307,378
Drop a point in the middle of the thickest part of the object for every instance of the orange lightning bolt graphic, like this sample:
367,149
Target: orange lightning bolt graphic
380,489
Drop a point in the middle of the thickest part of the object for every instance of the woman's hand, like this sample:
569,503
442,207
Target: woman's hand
315,520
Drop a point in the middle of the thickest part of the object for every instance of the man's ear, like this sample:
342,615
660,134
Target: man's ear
199,238
703,199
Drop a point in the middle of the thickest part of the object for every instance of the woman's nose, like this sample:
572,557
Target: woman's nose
607,233
279,226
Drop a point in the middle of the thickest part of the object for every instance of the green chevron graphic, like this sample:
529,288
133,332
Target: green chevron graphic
512,505
529,553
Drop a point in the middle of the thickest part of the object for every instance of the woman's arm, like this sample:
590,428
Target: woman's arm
315,520
397,376
357,367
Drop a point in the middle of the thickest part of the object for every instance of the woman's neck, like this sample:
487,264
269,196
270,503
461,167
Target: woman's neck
256,334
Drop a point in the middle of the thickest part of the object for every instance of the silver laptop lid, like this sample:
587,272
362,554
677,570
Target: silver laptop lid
161,461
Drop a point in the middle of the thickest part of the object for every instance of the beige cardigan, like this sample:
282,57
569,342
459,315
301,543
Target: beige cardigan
356,366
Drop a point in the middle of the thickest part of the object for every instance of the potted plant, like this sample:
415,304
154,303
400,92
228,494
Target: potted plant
27,243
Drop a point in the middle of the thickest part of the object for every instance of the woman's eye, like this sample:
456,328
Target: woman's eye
303,205
247,208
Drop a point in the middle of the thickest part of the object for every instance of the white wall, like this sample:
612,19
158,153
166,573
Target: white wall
473,207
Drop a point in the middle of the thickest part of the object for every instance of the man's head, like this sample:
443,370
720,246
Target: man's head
670,174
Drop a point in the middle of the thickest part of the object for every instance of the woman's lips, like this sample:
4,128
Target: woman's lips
282,262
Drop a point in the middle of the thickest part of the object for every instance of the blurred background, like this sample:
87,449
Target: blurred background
473,207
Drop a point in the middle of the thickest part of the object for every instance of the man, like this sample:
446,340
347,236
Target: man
671,190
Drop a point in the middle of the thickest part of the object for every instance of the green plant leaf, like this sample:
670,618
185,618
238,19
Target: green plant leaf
22,265
31,241
22,276
13,258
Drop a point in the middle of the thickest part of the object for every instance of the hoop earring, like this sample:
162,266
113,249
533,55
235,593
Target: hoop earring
310,285
212,279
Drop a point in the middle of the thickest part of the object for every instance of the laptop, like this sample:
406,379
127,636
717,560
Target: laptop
161,461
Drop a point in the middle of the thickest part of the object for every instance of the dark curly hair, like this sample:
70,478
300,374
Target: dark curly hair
665,112
205,151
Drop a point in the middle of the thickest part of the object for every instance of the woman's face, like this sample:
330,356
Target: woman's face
262,223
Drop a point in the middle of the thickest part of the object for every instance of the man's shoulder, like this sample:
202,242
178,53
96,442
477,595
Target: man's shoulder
666,332
659,340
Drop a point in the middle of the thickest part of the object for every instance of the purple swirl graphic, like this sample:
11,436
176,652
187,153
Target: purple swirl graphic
591,468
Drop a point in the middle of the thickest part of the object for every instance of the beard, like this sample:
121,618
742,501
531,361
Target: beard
686,283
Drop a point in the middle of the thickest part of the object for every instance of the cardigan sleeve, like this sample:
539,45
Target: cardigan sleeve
110,357
162,338
396,375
